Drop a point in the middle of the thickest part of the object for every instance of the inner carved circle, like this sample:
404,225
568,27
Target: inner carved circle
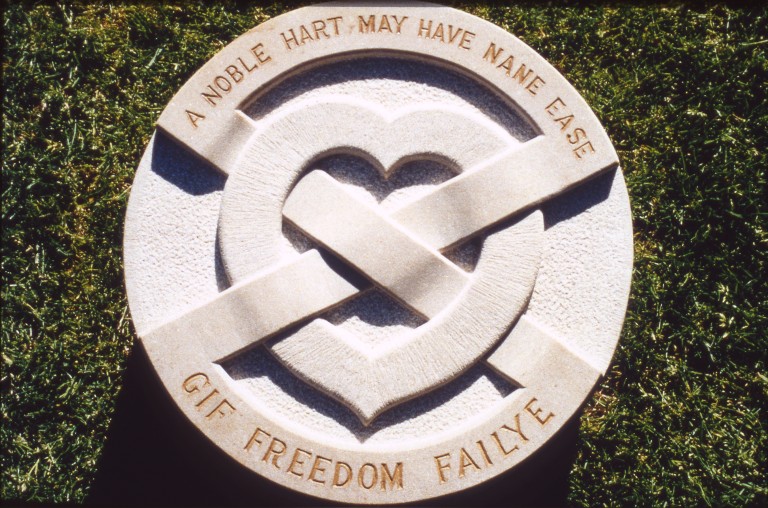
375,320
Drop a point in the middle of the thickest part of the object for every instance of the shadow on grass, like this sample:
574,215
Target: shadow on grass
154,457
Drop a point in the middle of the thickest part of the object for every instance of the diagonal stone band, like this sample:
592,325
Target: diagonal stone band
499,186
374,244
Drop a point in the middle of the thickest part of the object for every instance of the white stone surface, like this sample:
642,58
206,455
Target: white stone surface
377,246
434,353
251,214
441,161
257,308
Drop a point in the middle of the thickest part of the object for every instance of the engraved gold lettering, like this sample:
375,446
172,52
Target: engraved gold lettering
255,439
258,52
319,27
287,40
335,20
453,35
450,35
503,451
212,95
521,74
245,65
465,459
553,107
220,409
223,83
558,110
337,479
442,466
368,26
305,36
507,64
564,121
576,135
439,33
361,476
395,479
234,73
582,149
424,31
194,382
213,393
317,467
517,430
534,85
276,449
466,39
369,476
384,25
484,452
493,53
399,23
297,460
535,412
194,117
295,37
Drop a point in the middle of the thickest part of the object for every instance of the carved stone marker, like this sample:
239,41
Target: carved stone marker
378,253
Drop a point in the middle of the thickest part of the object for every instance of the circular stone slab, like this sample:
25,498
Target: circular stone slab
378,254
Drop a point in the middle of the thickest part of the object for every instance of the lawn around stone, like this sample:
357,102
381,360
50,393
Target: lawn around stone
680,89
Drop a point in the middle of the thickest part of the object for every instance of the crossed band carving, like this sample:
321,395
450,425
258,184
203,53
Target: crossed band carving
399,252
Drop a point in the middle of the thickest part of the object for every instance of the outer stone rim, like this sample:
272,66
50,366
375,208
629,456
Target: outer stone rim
232,434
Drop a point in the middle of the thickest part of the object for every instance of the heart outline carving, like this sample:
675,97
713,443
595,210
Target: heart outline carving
500,286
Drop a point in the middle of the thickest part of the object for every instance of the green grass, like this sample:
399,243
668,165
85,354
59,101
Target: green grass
680,419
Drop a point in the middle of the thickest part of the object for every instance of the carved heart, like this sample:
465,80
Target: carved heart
462,329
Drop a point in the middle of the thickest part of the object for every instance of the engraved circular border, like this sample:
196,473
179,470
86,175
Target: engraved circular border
556,388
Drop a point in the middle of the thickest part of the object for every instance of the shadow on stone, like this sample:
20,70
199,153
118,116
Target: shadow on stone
154,456
578,200
180,167
259,363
